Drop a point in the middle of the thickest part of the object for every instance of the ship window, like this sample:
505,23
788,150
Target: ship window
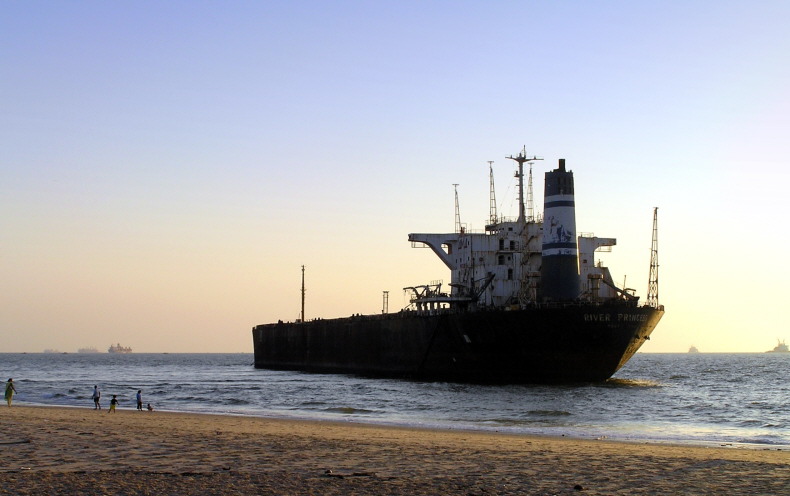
501,244
501,260
512,245
509,274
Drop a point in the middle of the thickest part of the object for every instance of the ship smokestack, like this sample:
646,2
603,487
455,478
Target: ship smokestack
560,264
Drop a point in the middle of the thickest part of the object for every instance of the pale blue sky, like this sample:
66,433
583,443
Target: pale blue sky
167,167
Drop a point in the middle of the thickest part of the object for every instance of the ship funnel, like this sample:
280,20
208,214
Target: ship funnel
560,264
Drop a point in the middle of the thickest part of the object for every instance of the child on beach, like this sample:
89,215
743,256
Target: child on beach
113,402
9,391
150,408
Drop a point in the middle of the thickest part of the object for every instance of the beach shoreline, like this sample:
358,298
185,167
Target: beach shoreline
567,434
46,449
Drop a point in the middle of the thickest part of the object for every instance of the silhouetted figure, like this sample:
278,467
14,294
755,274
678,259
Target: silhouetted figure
9,391
113,402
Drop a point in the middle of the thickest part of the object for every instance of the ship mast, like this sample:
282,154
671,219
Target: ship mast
652,287
302,293
520,159
530,202
492,210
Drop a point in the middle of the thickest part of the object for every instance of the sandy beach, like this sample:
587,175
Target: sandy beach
48,450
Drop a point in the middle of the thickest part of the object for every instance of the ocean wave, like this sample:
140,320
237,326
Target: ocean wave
507,422
57,396
189,399
760,440
347,410
630,383
549,413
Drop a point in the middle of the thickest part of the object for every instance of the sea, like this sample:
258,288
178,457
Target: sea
712,399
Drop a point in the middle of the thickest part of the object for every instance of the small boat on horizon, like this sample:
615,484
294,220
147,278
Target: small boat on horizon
88,349
781,347
693,349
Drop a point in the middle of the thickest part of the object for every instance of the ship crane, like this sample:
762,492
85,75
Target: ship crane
492,216
458,227
431,297
652,287
622,292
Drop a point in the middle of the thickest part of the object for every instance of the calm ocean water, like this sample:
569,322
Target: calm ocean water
730,399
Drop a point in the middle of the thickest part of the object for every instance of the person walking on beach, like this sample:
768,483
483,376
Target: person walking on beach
113,402
140,399
9,391
96,398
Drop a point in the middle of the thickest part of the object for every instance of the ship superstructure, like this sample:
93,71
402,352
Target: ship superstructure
781,347
524,261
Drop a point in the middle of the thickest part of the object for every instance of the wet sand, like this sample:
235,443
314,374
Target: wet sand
48,450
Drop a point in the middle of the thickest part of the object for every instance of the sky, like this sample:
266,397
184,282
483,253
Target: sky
166,168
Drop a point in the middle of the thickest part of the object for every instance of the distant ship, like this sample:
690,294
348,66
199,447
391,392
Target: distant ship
89,349
51,350
693,349
117,348
527,303
781,347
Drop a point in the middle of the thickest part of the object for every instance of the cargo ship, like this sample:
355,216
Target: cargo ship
117,348
527,303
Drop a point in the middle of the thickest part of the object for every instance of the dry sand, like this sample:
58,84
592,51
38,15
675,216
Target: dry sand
47,450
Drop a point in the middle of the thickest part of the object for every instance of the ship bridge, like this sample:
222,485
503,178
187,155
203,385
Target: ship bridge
435,243
597,282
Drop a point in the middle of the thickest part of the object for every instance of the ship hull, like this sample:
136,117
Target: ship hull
563,344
